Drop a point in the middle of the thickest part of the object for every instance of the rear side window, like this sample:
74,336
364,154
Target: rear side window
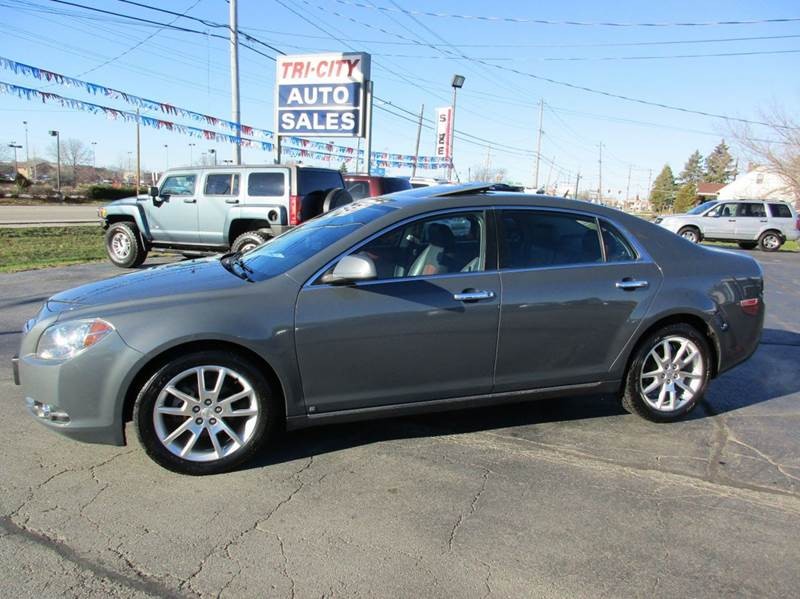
617,247
780,211
532,239
393,184
358,189
266,184
222,185
310,180
751,211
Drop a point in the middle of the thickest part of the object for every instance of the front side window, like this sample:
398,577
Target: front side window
266,184
780,211
178,185
724,210
752,211
438,245
222,185
531,239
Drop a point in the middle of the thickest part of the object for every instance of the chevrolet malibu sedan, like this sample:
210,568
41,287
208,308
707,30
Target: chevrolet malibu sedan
427,300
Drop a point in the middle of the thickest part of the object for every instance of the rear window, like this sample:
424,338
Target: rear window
780,211
266,184
358,189
393,184
310,180
222,185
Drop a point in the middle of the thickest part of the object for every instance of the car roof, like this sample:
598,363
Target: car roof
229,167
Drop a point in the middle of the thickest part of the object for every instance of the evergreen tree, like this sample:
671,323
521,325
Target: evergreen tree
662,195
693,169
686,198
720,165
343,168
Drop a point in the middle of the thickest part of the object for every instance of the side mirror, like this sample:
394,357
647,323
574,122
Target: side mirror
153,191
351,269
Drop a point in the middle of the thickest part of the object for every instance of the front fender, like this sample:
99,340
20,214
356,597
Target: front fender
134,212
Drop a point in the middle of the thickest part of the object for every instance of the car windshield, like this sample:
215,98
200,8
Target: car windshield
702,208
301,243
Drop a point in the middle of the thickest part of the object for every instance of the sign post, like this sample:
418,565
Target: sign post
323,95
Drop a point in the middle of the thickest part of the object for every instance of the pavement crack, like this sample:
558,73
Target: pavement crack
285,570
462,517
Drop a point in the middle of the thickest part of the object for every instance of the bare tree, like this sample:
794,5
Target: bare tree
74,155
779,151
488,174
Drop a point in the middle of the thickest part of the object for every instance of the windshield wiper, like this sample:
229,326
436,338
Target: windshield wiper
232,259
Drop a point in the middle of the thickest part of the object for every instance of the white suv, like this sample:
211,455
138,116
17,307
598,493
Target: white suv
750,223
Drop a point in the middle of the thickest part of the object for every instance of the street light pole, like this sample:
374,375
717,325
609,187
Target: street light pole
190,153
166,154
213,152
15,147
27,151
457,83
94,159
57,135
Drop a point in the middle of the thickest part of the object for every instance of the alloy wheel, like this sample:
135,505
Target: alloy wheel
121,245
771,242
206,413
689,236
672,374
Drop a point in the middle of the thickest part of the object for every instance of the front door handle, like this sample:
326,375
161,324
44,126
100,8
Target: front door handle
189,201
631,284
471,295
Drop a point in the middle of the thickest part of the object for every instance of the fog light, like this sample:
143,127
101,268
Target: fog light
46,411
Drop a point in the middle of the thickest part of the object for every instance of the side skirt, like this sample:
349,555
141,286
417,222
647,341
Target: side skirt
453,403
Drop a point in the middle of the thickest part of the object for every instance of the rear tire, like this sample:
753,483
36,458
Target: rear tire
770,241
124,245
748,245
690,234
248,241
668,374
197,431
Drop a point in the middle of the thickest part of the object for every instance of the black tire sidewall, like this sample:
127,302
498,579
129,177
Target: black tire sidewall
633,395
145,403
137,254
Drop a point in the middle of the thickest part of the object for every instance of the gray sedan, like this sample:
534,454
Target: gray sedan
426,300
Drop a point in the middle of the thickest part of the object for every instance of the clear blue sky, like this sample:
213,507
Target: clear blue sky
191,71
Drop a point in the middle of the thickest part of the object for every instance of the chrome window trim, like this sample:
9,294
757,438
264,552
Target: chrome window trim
643,257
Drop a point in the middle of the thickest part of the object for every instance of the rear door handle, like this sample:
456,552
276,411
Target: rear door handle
189,201
631,284
231,201
469,295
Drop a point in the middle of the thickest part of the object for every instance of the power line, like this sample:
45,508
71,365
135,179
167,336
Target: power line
564,22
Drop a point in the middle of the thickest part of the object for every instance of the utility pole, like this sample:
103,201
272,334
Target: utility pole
549,174
628,186
538,145
28,153
15,146
191,160
600,179
649,178
419,133
166,155
577,183
57,135
235,112
138,154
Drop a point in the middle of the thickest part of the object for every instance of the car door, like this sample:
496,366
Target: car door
569,302
220,194
172,216
751,218
720,223
424,329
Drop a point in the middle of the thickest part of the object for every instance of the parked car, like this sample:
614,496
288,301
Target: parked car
213,209
417,182
419,301
750,223
370,186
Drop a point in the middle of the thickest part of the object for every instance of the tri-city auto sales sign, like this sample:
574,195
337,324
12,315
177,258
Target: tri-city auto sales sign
321,94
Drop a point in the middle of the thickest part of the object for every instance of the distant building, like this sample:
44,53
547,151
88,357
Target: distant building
758,184
708,191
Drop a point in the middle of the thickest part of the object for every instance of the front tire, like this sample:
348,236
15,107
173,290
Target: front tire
124,245
690,234
668,374
205,413
770,241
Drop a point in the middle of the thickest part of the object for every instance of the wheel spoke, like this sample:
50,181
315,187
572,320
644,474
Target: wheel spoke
234,398
652,387
689,375
178,431
181,395
680,351
218,385
242,412
171,411
215,442
661,395
230,432
190,443
201,383
689,393
672,397
667,351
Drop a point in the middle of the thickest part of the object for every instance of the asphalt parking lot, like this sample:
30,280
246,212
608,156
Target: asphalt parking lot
565,498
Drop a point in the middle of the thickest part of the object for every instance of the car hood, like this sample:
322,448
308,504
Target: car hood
131,201
205,275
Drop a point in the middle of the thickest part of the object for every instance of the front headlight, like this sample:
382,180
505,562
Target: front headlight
64,341
102,212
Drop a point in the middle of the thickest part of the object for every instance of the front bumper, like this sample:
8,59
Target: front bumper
86,391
